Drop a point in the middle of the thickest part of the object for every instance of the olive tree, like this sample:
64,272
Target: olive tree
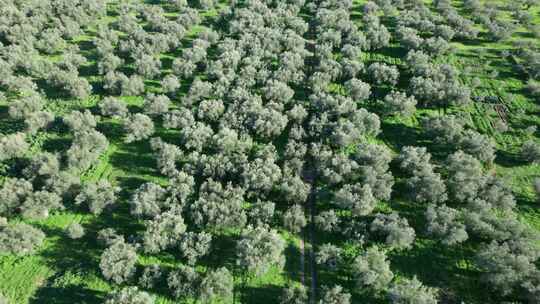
381,73
20,239
113,107
294,294
97,195
444,223
530,151
372,269
130,295
218,206
13,145
117,262
397,232
398,103
294,219
75,231
138,127
217,284
163,231
335,295
412,291
357,198
258,249
151,276
194,245
184,282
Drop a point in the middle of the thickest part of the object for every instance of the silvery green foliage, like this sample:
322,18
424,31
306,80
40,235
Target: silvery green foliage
109,63
130,295
357,89
509,265
44,164
138,127
217,284
13,193
25,106
427,186
156,104
194,245
66,184
151,276
3,299
80,121
181,187
294,219
210,110
163,231
396,230
38,120
147,65
413,159
261,175
197,136
357,198
297,113
418,63
218,206
436,46
178,119
167,155
327,221
261,212
169,84
117,262
373,161
398,103
530,151
444,130
97,195
113,107
13,145
20,239
372,269
409,37
294,294
412,291
108,236
85,149
480,146
335,295
329,256
465,177
184,282
377,35
131,86
445,224
39,204
278,92
148,200
381,73
75,231
293,188
259,249
441,87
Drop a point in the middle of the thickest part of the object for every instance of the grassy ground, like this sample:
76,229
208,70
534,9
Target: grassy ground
66,271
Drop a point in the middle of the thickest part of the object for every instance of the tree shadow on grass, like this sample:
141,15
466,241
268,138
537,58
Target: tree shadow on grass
254,295
437,266
67,295
68,256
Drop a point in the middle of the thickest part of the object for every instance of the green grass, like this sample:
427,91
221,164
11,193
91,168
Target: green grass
66,271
